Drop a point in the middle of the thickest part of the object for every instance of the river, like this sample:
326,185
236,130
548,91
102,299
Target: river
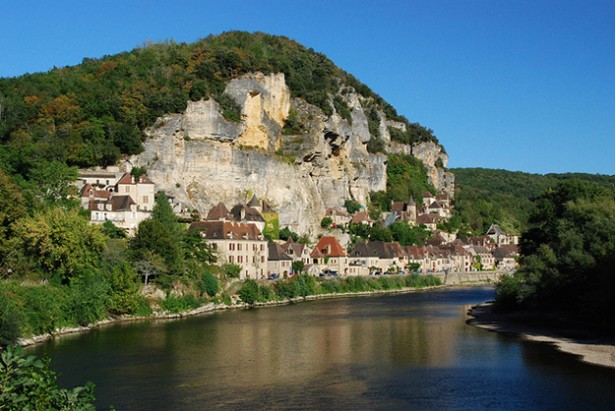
403,351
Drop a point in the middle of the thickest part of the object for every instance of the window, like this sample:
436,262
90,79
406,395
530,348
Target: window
262,259
127,189
145,200
231,259
238,247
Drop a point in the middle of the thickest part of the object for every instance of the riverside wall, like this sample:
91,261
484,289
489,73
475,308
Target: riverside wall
459,278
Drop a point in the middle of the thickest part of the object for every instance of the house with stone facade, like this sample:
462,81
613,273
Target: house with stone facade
236,243
330,255
124,200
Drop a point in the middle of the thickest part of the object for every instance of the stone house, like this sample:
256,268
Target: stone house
499,237
329,254
278,261
506,257
237,243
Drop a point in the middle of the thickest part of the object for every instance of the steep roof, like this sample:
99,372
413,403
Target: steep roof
329,246
226,230
242,212
127,179
360,217
276,253
506,251
219,212
495,230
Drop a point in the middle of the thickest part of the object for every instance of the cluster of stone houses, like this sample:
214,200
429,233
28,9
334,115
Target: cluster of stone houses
429,213
237,237
237,234
118,197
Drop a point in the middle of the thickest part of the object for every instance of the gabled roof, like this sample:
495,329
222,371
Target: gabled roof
427,219
127,179
415,252
378,249
225,230
495,230
97,194
427,194
249,213
276,253
219,212
118,203
506,251
254,202
360,217
442,197
329,246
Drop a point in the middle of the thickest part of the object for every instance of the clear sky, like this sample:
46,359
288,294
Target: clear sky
522,85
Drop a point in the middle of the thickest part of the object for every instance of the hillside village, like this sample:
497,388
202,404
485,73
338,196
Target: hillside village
237,234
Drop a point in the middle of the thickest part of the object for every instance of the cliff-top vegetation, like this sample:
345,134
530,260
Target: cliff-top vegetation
93,113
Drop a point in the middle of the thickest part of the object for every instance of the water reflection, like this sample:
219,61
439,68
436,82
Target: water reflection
400,351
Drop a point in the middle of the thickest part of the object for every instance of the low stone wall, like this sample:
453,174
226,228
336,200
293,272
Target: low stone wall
457,278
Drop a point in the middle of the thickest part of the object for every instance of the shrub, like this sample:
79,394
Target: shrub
10,321
175,304
209,284
326,222
231,270
249,292
29,384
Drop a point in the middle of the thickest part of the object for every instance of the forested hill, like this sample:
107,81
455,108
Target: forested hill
95,112
484,195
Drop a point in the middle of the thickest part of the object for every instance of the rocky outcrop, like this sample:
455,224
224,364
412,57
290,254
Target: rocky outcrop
200,158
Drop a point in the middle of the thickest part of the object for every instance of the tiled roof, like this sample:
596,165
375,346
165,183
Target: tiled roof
360,217
276,253
241,212
128,179
219,212
329,246
225,230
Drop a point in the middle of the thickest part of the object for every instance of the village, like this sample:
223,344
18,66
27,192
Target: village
237,234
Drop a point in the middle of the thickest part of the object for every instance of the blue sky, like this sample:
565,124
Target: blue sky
524,85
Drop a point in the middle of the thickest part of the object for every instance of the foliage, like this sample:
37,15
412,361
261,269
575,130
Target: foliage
231,111
406,235
209,284
162,236
61,241
27,383
415,133
124,295
485,196
89,298
298,266
231,270
352,206
112,231
326,222
249,292
174,304
341,107
293,124
10,320
568,254
286,233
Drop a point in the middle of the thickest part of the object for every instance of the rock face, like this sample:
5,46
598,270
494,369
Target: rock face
201,159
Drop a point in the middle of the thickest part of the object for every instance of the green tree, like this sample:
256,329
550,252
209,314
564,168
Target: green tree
231,270
161,235
326,222
124,296
298,266
52,180
61,241
249,292
209,284
352,206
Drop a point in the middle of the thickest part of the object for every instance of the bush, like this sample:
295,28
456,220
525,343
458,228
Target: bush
27,383
176,305
326,222
10,321
209,284
249,292
231,270
89,298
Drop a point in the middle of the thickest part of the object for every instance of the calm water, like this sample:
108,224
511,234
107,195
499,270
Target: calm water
411,351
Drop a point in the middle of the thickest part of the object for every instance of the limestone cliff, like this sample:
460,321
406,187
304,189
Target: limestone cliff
201,159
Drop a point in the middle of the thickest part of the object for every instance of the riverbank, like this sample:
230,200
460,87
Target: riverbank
589,347
211,307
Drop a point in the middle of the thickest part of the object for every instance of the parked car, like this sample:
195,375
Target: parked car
273,276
